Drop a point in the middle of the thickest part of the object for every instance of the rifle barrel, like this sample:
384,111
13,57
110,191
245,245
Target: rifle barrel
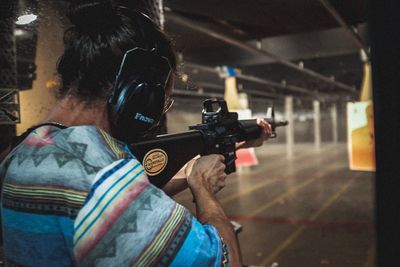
249,129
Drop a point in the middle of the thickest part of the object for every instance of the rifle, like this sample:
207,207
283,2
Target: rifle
220,130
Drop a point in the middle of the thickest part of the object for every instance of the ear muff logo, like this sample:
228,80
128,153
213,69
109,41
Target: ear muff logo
141,117
155,161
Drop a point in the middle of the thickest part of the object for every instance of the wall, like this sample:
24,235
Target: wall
36,103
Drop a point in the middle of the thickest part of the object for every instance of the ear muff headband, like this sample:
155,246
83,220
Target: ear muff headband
138,60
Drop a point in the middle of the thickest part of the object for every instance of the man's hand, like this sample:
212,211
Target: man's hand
207,172
205,176
217,181
265,135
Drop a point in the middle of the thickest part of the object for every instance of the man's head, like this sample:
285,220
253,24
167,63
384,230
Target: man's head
108,41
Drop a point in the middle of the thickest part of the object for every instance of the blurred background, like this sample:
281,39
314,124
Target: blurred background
302,199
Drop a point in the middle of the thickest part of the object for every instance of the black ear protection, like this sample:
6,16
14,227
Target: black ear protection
137,100
138,97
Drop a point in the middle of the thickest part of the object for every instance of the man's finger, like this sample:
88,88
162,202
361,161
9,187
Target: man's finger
221,158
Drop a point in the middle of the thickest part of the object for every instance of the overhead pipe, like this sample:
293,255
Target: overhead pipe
209,85
249,91
189,23
268,95
180,92
196,94
276,84
252,79
354,36
262,81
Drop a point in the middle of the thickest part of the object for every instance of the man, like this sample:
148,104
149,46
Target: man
73,193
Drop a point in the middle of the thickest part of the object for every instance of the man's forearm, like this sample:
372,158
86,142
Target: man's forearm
175,186
209,211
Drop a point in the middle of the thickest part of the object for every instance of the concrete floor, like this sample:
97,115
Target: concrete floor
307,211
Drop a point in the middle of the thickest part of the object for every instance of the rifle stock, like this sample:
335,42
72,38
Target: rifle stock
178,148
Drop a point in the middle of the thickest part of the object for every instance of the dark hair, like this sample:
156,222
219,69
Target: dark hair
102,32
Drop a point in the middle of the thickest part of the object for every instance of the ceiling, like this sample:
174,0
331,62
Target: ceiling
301,32
247,20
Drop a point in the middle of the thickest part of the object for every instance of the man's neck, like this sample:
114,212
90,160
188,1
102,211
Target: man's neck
71,111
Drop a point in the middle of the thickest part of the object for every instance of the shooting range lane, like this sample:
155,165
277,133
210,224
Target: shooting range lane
310,208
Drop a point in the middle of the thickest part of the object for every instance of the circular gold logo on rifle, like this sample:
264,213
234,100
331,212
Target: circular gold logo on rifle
155,161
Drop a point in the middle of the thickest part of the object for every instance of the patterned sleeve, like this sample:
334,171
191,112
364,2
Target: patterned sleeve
126,221
202,247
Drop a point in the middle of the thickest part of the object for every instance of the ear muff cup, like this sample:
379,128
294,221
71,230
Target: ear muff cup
138,97
139,108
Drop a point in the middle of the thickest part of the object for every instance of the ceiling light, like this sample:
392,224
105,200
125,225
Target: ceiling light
19,32
185,77
26,19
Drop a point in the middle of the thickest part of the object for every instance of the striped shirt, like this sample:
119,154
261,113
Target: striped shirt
78,197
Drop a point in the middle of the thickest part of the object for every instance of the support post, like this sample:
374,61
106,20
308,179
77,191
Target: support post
334,123
290,127
317,124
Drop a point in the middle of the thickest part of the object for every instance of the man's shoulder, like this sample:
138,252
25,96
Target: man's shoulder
92,143
86,143
58,155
